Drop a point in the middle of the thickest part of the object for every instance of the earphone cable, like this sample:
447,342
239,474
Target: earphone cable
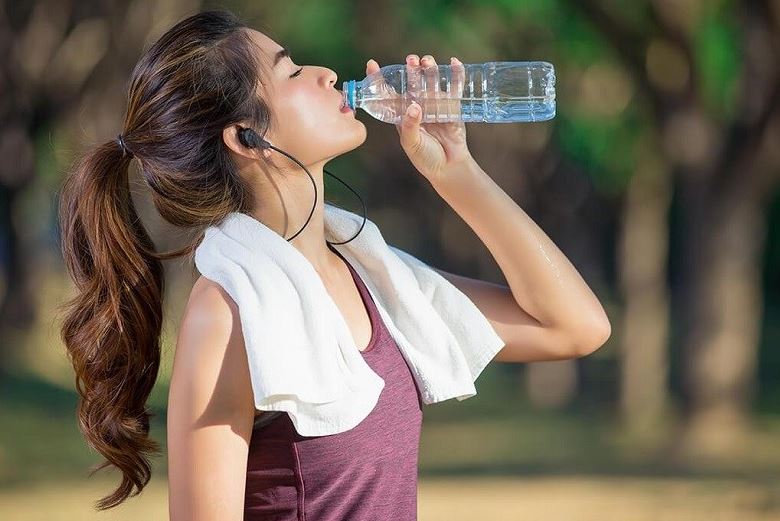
269,145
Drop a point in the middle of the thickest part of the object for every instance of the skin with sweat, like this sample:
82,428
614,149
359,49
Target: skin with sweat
547,311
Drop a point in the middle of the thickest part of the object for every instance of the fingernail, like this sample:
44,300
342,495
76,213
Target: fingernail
414,110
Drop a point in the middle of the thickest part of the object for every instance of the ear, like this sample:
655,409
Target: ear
230,137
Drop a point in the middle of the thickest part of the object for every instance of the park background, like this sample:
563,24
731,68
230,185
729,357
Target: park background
658,178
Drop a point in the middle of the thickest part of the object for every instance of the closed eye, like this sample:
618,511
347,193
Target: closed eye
296,73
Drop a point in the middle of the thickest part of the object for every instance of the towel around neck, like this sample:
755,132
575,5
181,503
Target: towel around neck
301,353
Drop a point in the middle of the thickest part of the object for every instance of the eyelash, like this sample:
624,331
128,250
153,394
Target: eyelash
296,73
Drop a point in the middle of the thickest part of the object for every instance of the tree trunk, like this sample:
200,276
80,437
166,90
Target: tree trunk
643,252
724,237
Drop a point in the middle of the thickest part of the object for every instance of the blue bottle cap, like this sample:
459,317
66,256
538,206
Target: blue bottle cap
349,88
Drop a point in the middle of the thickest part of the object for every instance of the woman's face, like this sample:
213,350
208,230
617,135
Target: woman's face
307,121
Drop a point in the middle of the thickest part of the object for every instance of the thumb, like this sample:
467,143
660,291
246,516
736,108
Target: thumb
411,140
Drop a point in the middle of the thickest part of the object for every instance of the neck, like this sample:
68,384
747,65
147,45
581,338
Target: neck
283,203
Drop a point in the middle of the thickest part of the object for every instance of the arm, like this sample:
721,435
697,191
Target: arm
210,411
548,312
526,339
552,314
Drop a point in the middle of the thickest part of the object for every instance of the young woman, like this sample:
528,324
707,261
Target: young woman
192,98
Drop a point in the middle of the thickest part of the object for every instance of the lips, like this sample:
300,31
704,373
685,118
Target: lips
344,106
343,102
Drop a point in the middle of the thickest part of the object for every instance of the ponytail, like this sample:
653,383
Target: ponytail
112,326
200,77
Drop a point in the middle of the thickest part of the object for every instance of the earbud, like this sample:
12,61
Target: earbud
249,138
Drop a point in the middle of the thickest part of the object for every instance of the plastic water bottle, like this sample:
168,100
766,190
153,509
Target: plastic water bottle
491,92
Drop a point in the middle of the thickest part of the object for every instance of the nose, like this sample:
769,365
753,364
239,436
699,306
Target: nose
331,77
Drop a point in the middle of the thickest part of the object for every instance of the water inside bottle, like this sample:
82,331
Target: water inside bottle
495,92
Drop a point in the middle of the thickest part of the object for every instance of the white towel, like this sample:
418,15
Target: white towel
302,356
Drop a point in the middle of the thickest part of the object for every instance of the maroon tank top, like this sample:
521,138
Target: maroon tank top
368,473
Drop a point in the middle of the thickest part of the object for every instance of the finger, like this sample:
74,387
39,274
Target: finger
458,77
409,131
372,67
431,76
457,82
413,81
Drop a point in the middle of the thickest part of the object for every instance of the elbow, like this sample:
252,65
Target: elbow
591,338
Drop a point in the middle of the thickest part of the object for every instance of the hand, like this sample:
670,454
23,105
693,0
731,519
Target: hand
432,148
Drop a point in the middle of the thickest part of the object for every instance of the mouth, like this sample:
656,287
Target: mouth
343,105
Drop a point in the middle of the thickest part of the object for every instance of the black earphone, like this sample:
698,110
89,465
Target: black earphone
250,139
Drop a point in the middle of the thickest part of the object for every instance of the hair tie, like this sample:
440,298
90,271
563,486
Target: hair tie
125,151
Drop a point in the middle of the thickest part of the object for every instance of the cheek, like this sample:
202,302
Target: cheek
309,109
307,112
305,102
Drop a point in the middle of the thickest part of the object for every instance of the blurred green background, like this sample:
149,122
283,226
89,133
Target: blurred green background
658,178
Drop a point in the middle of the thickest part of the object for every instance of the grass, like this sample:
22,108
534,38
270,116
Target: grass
584,498
487,457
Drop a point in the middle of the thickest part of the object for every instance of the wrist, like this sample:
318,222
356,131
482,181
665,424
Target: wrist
456,175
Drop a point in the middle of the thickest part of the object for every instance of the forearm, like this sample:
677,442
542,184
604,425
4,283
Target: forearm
542,280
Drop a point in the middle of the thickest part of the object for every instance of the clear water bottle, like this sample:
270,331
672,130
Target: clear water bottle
491,92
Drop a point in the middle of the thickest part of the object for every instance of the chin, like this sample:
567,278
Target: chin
353,138
363,134
356,138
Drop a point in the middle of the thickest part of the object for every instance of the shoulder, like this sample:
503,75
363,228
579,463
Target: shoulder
210,302
209,315
210,362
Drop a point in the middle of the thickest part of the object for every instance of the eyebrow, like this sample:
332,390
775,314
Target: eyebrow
284,51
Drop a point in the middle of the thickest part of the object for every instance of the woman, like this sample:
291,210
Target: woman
199,100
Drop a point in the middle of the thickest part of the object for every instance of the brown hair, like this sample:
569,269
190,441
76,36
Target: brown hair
201,76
